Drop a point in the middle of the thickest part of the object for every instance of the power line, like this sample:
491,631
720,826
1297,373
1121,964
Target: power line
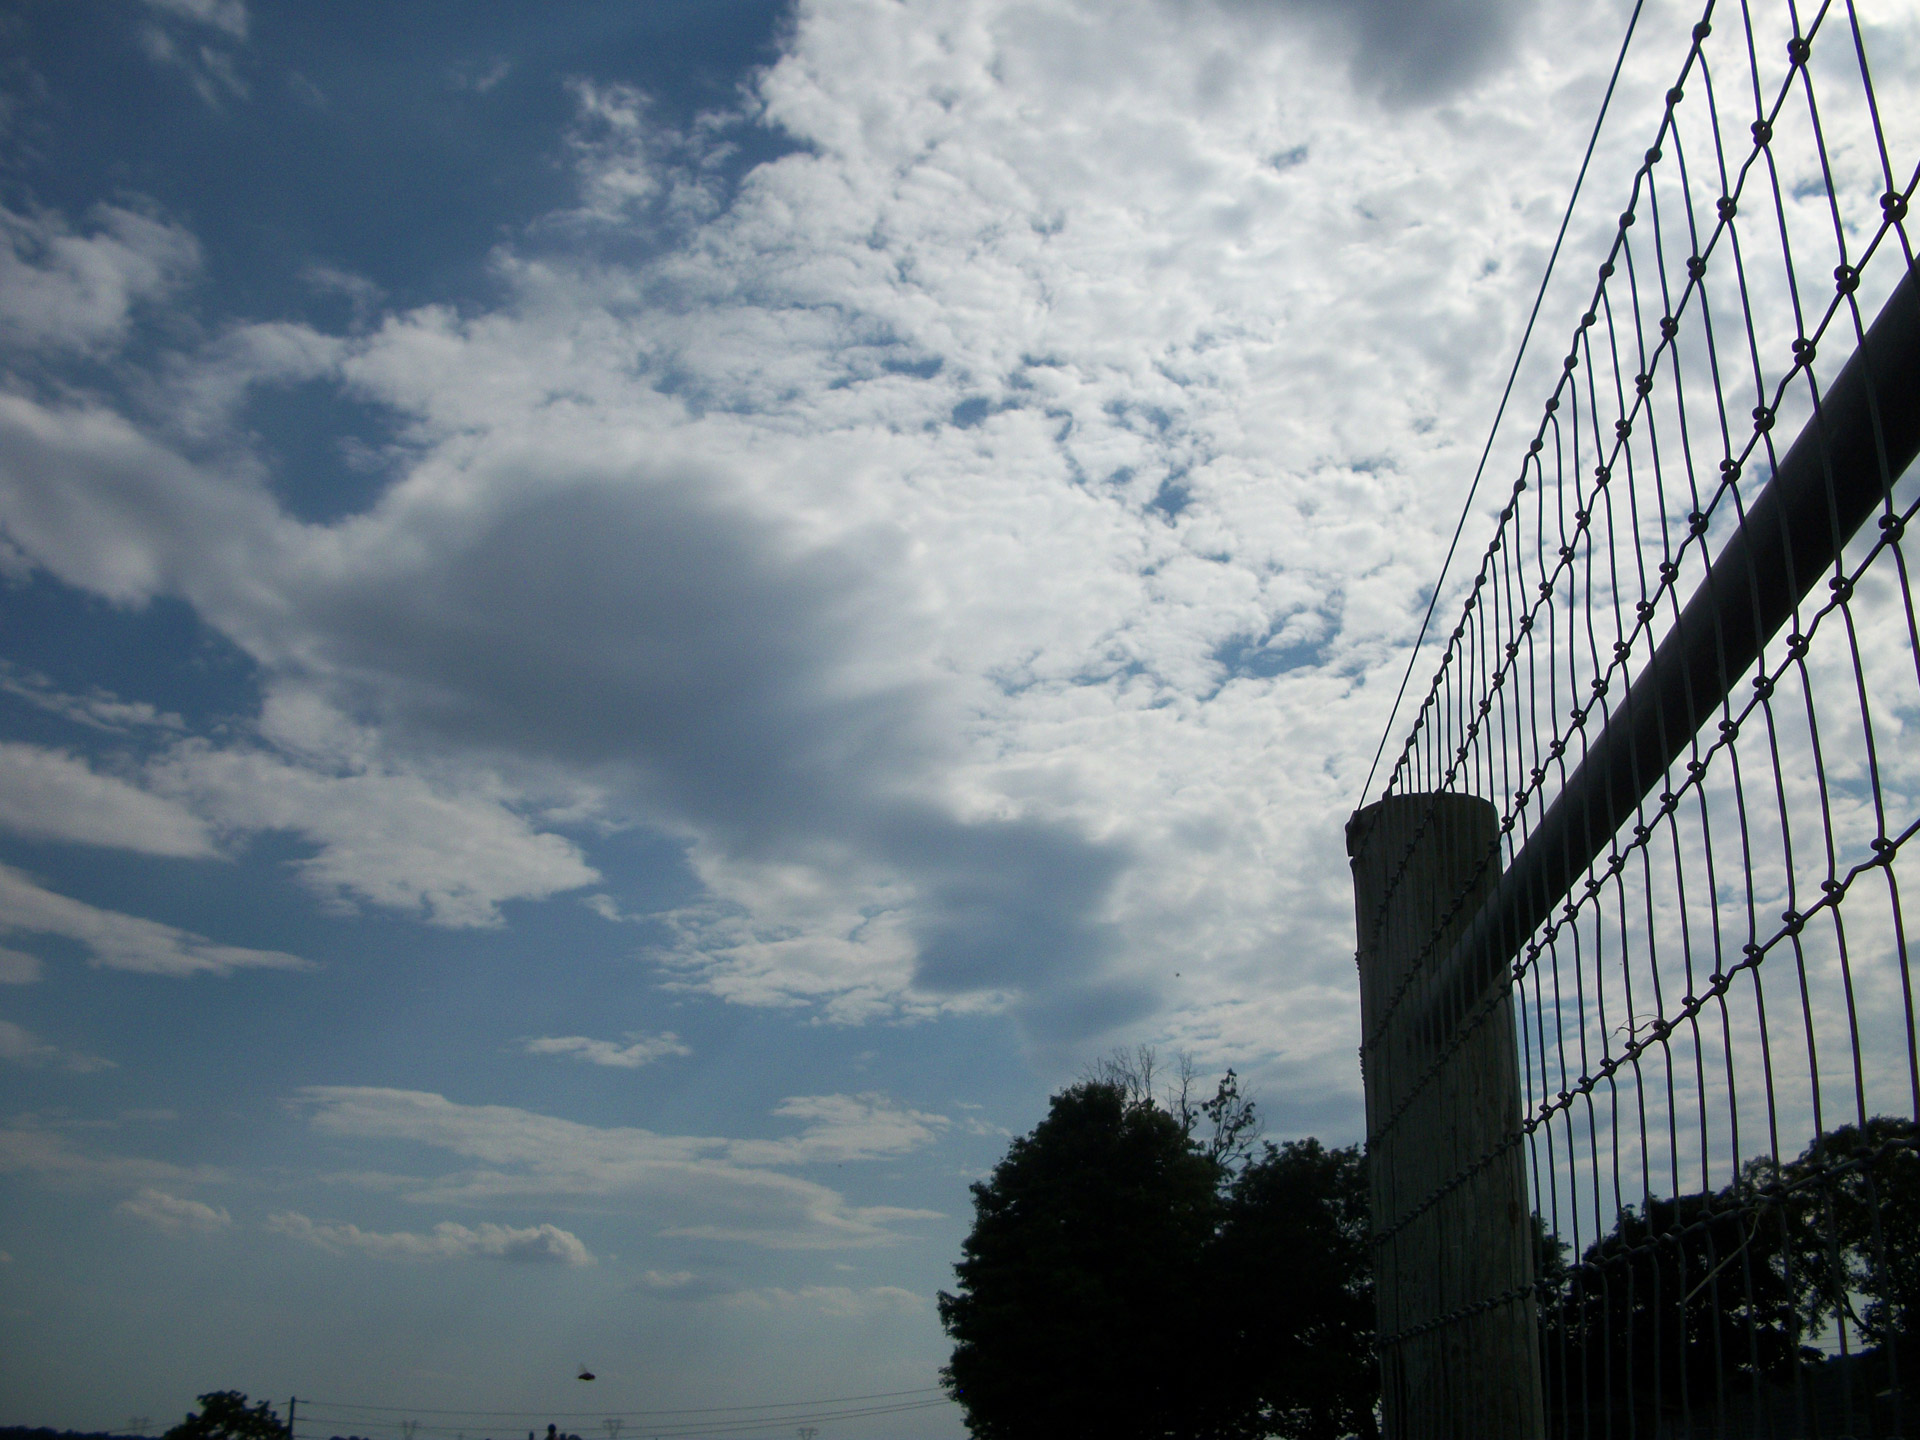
594,1414
718,1425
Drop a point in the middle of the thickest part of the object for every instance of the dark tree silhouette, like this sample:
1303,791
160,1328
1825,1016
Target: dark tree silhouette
1076,1299
225,1415
1710,1303
1136,1273
1292,1281
1854,1198
1684,1301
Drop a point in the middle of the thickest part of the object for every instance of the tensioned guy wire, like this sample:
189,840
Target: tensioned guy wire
1466,507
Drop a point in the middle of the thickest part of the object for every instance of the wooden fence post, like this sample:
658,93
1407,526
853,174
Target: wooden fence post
1453,1258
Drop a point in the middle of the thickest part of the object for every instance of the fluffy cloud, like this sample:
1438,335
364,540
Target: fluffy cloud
172,1215
124,942
1409,51
638,1050
390,838
50,795
840,1128
696,1187
77,293
987,536
530,1245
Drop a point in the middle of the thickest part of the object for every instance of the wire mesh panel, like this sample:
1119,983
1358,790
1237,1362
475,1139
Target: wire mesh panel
1686,676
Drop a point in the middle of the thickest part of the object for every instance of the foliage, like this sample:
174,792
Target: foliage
1291,1275
225,1415
1076,1299
1683,1297
1136,1272
1854,1202
1690,1300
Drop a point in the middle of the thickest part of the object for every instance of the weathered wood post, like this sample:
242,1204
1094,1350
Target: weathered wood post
1453,1258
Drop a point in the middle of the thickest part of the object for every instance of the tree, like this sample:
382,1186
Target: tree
1291,1271
1712,1298
1076,1300
1685,1302
1134,1271
1854,1202
225,1415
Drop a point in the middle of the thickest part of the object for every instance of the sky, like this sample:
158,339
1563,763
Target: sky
627,631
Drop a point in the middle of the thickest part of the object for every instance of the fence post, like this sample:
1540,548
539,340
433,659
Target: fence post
1453,1275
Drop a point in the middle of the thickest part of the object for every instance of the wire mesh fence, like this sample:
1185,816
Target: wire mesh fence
1685,684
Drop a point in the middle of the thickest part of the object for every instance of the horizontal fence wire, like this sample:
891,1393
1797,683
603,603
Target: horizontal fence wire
1712,1008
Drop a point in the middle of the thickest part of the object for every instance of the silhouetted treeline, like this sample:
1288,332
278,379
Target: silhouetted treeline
1717,1312
1140,1269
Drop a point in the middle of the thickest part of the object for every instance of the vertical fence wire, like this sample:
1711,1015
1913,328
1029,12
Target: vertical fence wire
1715,1023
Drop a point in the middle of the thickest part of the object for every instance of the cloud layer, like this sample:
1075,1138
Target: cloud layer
636,1051
123,942
172,1215
527,1245
682,1186
51,795
985,536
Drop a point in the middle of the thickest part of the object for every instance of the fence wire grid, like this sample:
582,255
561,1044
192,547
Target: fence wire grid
1712,1010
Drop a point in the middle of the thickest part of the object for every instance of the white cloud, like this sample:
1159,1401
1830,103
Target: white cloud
841,1128
106,507
988,537
22,1047
639,1049
124,942
51,795
532,1244
172,1215
698,1187
97,710
385,836
65,292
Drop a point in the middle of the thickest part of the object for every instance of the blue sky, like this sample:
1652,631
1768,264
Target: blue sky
626,631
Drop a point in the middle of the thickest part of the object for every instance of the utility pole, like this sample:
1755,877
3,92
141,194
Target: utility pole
292,1401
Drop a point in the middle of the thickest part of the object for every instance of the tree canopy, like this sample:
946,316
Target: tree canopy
1712,1297
1142,1272
225,1415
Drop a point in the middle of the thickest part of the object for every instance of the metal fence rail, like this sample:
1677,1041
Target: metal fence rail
1649,832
